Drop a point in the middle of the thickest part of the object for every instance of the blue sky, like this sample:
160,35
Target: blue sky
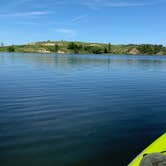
115,21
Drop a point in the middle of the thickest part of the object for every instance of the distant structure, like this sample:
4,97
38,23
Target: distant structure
2,44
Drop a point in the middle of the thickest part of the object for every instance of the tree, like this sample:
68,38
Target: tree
56,48
157,48
75,47
11,49
150,49
71,46
88,49
105,50
97,50
109,47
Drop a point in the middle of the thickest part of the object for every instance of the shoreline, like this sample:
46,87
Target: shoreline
66,47
108,54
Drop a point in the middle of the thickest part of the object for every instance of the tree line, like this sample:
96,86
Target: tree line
151,49
92,49
89,48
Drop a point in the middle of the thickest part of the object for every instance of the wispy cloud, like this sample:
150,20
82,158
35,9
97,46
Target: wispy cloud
67,32
78,18
127,4
97,4
25,14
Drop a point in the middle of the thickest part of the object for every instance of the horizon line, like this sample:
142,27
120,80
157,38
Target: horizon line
79,41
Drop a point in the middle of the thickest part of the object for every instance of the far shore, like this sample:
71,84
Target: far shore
69,47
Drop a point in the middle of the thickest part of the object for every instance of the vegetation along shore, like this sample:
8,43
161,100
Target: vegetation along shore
68,47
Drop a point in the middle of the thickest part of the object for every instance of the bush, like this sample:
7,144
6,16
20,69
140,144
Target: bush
56,48
11,49
150,49
75,47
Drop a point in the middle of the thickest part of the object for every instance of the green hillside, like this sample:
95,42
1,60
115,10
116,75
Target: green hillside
85,48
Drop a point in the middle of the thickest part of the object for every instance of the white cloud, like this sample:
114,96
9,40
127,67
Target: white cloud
25,14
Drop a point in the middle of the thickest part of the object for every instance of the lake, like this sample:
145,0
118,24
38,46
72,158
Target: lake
79,110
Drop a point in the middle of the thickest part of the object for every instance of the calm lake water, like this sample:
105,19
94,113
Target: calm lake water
79,110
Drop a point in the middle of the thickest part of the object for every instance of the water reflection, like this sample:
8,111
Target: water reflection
69,110
94,60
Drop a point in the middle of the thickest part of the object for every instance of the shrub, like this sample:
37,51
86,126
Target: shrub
11,49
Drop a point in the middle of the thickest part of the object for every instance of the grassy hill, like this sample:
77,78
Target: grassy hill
68,47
